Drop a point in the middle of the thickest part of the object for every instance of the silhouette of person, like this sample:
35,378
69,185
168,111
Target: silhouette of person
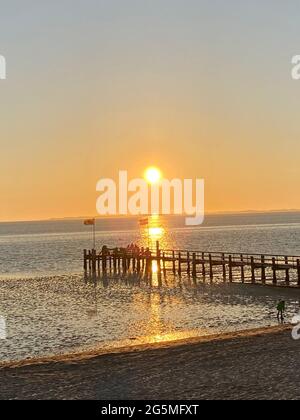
280,310
105,254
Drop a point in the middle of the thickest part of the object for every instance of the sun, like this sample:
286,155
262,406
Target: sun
152,175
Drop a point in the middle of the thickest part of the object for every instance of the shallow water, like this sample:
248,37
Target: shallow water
50,308
68,314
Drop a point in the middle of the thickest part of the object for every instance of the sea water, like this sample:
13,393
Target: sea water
50,307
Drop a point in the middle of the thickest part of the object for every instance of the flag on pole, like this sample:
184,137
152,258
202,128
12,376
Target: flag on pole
144,222
89,222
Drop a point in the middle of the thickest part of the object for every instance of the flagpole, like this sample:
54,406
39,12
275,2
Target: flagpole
94,234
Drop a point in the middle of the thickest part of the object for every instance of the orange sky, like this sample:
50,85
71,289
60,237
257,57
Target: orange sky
203,95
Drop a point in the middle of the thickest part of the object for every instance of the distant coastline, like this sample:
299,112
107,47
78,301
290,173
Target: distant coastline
120,217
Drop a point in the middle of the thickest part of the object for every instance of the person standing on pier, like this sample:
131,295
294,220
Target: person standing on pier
105,254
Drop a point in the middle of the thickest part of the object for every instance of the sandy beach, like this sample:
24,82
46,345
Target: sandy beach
258,364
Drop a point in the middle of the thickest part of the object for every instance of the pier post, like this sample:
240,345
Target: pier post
211,273
128,259
194,268
274,270
124,262
104,261
144,264
287,271
263,269
174,263
90,260
252,270
94,260
98,263
203,265
138,263
115,262
242,269
179,263
158,256
188,264
119,263
230,269
85,259
224,267
157,247
148,263
164,265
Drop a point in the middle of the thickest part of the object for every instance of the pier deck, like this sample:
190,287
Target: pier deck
254,268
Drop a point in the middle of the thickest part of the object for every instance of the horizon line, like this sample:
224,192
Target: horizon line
109,217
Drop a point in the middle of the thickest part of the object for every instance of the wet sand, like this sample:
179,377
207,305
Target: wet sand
258,364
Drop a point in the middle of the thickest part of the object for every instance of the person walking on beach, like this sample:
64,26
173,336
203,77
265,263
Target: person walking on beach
280,310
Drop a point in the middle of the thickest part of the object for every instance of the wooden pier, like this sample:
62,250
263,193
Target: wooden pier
231,267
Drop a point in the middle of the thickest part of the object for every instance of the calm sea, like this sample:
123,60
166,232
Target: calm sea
50,308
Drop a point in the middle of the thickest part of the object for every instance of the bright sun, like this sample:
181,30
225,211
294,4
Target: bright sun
152,175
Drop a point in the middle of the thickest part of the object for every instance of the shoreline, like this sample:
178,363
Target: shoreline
255,365
95,354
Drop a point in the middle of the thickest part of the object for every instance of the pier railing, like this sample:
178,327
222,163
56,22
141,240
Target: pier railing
243,267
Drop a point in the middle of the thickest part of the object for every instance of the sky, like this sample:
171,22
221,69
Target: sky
201,89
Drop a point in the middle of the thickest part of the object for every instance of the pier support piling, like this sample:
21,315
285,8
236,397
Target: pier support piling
274,270
211,272
188,264
287,271
179,264
85,260
242,269
194,266
263,269
230,269
224,267
253,279
174,263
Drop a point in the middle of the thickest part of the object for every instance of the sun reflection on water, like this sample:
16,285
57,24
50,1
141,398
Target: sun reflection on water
157,329
157,230
154,267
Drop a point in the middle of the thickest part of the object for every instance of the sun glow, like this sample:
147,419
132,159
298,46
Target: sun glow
156,232
152,175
